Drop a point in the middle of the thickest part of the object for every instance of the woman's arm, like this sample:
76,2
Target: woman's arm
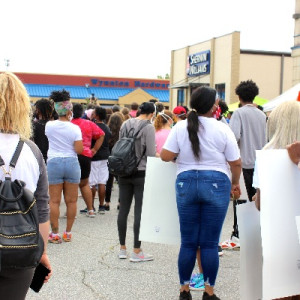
78,146
294,152
44,230
256,198
236,168
167,155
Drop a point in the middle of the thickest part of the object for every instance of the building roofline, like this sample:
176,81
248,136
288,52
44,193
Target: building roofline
263,52
206,40
83,75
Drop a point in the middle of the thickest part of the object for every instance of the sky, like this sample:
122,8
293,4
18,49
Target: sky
133,38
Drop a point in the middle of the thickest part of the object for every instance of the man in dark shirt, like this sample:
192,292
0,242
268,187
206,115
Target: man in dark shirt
99,170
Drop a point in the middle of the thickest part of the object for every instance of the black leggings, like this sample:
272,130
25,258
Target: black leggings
248,177
14,283
109,185
129,187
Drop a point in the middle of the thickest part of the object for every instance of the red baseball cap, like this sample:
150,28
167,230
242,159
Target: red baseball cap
179,110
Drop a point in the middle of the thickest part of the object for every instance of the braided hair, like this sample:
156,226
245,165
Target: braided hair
44,108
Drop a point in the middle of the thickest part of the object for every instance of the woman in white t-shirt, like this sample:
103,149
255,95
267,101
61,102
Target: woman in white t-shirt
203,148
65,142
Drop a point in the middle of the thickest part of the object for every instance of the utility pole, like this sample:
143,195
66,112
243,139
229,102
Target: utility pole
6,63
296,47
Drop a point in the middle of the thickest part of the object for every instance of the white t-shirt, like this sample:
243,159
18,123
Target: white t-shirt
217,146
61,136
30,168
26,164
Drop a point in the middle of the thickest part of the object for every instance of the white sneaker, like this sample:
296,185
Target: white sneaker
91,214
231,244
140,257
122,254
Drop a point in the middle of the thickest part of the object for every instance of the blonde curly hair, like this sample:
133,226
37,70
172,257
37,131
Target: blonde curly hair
283,126
15,108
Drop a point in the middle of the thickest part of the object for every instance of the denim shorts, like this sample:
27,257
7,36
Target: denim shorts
63,169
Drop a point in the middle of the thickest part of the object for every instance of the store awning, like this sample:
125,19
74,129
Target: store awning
80,92
187,82
183,85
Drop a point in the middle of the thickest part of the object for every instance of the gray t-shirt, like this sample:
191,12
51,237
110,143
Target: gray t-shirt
145,139
248,124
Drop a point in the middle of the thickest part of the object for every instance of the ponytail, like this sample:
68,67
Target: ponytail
158,123
202,100
193,127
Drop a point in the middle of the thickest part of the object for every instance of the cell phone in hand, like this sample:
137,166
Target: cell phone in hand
38,278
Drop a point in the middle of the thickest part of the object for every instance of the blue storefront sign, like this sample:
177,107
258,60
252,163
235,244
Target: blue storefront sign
198,63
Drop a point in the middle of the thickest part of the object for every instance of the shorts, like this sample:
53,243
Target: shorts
63,169
85,166
99,172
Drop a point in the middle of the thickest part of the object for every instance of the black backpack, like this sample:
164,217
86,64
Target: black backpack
123,161
21,244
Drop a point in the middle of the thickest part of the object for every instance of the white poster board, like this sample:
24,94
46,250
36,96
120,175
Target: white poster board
250,252
159,220
244,195
298,226
279,181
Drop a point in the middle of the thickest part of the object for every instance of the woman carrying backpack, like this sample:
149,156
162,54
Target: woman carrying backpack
15,124
133,185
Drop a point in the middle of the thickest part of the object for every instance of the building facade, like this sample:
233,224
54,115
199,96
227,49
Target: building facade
221,64
107,91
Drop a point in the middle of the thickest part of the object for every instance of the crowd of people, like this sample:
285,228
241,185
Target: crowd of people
69,146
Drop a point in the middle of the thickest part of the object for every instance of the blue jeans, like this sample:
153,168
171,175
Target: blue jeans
202,202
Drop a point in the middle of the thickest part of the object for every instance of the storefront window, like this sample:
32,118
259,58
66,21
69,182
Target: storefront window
220,88
180,97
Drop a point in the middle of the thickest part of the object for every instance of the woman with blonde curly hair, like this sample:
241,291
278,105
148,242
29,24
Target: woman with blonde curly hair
15,124
162,124
283,129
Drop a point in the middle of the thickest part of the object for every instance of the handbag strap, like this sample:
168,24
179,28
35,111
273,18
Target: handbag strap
14,159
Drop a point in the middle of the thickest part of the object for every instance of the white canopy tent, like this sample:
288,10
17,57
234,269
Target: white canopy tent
288,95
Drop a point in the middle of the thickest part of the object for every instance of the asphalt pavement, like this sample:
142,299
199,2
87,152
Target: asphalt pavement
89,268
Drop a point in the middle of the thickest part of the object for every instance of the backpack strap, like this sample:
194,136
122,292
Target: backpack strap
135,135
144,125
130,132
141,157
16,155
14,159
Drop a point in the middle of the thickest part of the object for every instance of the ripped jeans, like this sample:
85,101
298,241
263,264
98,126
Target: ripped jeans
202,202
